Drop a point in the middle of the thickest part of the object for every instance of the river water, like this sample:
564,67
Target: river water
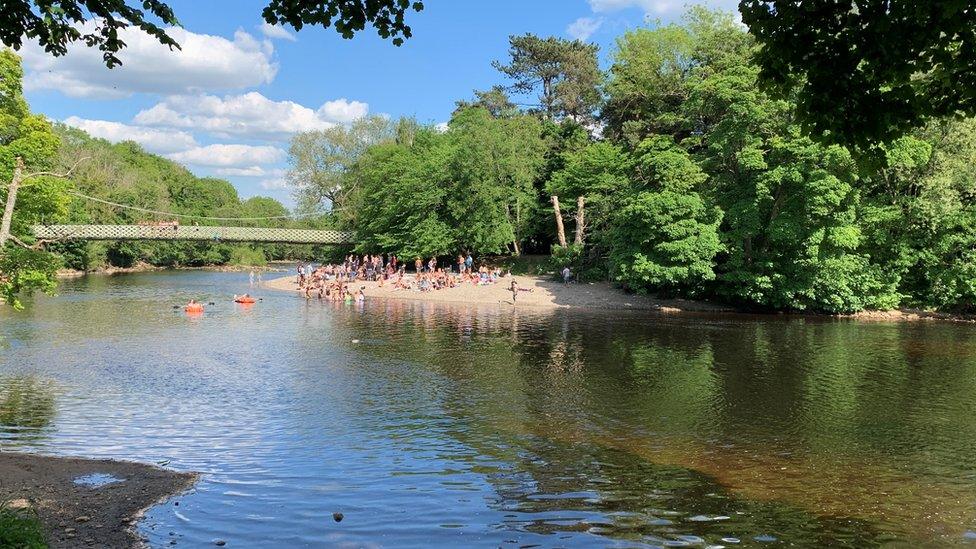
464,426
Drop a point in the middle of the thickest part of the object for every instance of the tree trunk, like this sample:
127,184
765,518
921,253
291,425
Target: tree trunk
8,210
580,222
560,230
508,214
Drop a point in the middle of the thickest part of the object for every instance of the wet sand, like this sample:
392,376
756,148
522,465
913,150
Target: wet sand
76,515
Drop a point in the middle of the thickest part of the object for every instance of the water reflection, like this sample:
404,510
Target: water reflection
484,426
27,408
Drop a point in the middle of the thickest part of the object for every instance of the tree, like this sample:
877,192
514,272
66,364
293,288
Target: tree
27,144
866,72
566,70
469,188
320,160
654,70
56,25
597,173
665,237
495,100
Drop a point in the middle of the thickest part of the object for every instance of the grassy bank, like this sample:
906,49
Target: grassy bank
20,529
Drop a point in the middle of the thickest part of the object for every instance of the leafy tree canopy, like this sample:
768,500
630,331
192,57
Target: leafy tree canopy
866,71
55,25
565,73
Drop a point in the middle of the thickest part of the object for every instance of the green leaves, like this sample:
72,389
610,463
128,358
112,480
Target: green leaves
96,23
664,237
866,73
470,188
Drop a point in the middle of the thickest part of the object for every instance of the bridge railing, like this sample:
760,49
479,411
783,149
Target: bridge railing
192,232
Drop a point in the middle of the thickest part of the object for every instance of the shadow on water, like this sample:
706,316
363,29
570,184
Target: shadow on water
811,431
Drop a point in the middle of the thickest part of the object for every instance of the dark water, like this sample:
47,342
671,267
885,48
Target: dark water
463,426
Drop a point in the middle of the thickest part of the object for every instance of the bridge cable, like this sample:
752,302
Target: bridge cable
190,216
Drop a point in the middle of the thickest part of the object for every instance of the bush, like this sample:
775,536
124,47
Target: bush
243,255
20,529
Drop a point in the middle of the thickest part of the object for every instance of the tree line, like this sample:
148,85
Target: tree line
70,161
673,172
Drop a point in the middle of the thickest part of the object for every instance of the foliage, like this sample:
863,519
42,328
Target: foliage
41,198
24,271
96,23
20,529
320,160
664,236
654,70
467,189
566,70
124,173
864,73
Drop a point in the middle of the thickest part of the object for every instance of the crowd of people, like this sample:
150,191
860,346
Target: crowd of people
332,281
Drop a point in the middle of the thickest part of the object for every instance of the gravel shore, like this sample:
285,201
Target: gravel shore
80,515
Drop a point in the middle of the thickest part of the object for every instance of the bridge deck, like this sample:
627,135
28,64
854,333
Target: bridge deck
191,232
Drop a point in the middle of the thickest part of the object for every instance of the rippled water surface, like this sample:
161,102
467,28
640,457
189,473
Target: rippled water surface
464,426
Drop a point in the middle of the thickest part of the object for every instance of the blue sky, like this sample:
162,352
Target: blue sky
227,104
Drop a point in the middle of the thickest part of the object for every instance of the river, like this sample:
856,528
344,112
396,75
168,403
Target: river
464,426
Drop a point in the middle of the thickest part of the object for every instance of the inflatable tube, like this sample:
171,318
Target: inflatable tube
245,300
193,308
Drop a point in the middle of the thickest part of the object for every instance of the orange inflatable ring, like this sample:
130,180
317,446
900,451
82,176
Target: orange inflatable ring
197,308
245,300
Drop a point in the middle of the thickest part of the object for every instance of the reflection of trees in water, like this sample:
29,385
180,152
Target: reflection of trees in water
27,408
848,420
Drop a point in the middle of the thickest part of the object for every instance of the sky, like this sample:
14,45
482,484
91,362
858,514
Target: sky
227,104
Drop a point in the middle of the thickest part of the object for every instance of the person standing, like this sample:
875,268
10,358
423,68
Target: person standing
515,290
468,262
567,275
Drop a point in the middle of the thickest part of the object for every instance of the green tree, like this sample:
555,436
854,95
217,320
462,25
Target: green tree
665,237
320,161
28,147
495,100
96,23
867,72
469,188
599,173
565,73
654,70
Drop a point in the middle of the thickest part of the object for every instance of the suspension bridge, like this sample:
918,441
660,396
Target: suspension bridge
191,232
174,230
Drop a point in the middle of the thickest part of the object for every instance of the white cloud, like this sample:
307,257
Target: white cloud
274,184
250,115
152,139
583,28
342,110
229,156
441,127
205,63
250,171
275,31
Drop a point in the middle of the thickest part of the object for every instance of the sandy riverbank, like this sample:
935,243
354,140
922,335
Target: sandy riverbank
547,294
75,515
542,293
